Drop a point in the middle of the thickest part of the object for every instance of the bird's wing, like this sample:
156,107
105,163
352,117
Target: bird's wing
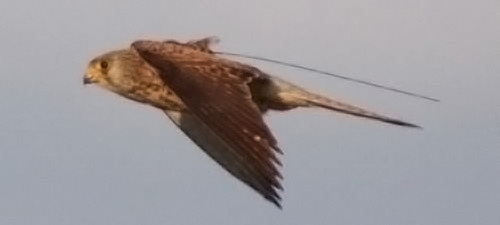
202,45
223,120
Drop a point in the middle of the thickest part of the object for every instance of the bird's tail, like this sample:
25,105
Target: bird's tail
293,96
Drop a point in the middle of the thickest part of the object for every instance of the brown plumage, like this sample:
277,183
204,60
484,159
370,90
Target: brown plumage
216,102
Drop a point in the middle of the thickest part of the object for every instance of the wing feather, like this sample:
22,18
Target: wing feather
220,107
222,153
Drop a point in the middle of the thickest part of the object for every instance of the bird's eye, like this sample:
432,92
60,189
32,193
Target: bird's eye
104,65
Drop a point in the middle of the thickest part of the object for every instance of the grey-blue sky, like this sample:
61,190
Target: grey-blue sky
80,155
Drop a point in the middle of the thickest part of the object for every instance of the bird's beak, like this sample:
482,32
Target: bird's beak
87,79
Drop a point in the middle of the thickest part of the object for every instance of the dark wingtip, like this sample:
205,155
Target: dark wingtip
275,199
271,193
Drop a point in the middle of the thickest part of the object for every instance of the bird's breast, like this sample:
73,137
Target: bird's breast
156,95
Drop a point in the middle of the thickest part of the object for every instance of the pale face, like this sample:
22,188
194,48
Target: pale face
106,72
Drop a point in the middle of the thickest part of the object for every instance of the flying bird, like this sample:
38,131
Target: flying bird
218,103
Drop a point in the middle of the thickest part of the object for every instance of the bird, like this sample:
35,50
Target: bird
217,102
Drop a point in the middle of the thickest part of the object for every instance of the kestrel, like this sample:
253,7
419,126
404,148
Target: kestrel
218,103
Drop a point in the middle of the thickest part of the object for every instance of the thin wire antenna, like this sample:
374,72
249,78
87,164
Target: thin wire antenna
330,74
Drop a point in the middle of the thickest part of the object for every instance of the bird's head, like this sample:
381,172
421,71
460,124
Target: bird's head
105,70
125,73
116,71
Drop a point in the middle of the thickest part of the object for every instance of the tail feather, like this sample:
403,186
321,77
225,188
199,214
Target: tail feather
356,111
290,94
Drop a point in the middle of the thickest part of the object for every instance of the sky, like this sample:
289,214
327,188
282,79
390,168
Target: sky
74,154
